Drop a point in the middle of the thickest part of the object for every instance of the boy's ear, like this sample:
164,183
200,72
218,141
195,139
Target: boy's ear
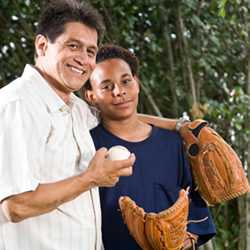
138,81
89,97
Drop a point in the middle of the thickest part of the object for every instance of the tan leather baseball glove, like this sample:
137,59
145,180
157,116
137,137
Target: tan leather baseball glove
134,217
157,231
168,229
216,168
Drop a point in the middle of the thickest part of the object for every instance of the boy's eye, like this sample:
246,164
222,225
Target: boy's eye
108,87
126,81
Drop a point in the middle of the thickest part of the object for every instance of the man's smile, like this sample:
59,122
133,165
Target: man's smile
77,69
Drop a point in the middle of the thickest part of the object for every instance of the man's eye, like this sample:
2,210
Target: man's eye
73,46
91,53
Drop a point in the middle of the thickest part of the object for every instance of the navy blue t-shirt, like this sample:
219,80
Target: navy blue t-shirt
159,172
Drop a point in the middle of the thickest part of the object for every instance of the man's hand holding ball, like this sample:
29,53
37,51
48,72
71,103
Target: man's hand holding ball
117,153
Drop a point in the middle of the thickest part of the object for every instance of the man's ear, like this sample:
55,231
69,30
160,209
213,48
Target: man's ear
41,44
89,97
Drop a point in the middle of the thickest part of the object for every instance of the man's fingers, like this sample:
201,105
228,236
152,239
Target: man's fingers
126,171
125,167
102,152
99,156
120,164
114,181
132,158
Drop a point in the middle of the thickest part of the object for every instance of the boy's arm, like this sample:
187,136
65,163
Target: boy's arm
160,122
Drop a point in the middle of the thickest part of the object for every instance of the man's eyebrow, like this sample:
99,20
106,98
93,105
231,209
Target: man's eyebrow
73,40
81,43
93,47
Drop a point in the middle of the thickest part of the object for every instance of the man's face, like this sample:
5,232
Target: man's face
68,62
114,89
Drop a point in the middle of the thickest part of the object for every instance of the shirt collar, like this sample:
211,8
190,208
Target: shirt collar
46,93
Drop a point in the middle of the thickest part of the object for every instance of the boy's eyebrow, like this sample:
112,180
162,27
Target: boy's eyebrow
126,74
105,81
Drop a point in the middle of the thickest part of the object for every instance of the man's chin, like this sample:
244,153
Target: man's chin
74,87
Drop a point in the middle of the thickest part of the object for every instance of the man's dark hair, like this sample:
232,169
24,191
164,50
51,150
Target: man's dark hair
110,51
58,13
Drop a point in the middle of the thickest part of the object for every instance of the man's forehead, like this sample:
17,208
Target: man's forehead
79,32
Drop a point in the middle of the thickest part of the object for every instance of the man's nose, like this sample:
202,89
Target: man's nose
83,58
118,90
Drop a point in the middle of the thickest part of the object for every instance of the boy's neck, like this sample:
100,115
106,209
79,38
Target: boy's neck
130,129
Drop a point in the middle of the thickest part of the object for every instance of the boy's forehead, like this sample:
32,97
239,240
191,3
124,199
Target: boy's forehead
109,68
112,64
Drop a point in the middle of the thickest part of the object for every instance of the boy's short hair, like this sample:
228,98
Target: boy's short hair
110,51
58,13
113,51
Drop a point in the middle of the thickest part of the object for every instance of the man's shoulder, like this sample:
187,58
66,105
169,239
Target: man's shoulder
85,113
18,88
12,92
80,103
19,97
81,107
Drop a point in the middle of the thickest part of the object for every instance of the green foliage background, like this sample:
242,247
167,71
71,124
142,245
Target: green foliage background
191,52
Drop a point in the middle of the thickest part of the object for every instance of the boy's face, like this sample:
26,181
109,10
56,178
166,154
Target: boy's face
114,89
70,59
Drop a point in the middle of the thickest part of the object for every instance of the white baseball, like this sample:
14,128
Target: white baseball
118,153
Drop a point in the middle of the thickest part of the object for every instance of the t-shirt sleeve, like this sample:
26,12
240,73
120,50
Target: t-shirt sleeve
15,166
198,210
185,178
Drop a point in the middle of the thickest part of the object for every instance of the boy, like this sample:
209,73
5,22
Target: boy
160,170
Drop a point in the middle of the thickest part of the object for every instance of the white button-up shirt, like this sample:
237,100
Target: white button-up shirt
43,140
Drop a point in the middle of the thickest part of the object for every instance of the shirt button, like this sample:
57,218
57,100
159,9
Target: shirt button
64,109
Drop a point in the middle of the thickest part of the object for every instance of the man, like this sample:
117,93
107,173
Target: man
48,166
160,170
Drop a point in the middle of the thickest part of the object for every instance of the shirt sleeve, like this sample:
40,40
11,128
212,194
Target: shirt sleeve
198,211
15,169
93,117
201,222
